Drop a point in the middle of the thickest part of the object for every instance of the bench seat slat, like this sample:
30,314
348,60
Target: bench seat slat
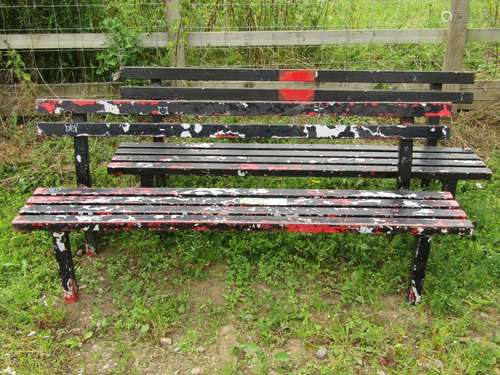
293,146
98,209
294,160
299,170
239,108
390,153
247,200
205,222
232,192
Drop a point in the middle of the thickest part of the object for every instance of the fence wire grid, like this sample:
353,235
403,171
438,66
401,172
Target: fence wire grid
126,20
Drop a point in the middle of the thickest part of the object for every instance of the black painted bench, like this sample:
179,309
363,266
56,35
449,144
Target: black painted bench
62,210
431,162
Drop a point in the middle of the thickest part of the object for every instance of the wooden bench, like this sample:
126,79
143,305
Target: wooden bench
62,210
445,164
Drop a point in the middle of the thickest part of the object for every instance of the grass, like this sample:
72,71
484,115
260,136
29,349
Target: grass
241,303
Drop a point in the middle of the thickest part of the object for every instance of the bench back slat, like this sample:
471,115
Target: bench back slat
314,131
301,95
294,75
234,108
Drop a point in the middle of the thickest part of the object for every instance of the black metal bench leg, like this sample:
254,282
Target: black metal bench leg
451,186
418,269
147,180
91,242
62,252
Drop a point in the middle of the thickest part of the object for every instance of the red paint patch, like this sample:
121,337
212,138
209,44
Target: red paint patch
302,75
249,167
295,95
48,106
71,296
83,102
227,136
201,228
445,112
316,228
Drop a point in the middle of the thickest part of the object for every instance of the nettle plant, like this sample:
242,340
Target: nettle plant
122,49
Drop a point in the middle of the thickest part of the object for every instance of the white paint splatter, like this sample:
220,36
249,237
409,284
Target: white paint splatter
108,107
59,237
78,158
323,131
125,127
264,201
198,128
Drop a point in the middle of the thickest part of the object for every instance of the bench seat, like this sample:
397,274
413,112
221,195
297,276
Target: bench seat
263,159
305,211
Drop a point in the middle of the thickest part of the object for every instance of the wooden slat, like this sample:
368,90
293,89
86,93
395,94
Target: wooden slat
232,192
296,224
294,147
244,38
301,151
297,95
244,131
298,170
87,209
156,107
295,160
227,74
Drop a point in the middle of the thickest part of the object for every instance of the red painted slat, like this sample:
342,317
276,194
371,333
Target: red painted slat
299,75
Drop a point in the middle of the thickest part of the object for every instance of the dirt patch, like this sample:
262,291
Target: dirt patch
211,289
226,341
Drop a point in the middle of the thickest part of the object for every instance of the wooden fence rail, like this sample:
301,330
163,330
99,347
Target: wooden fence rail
247,38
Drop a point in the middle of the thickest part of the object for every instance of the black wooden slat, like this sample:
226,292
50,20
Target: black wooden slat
99,209
298,170
243,131
239,108
301,152
294,160
224,74
192,93
295,146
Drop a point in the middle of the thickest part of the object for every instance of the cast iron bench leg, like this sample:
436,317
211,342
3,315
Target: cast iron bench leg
418,270
91,242
62,252
450,185
147,180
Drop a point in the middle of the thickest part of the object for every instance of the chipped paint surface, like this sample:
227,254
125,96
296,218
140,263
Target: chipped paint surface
242,108
308,211
184,130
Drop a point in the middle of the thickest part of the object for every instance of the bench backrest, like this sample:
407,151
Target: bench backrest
158,74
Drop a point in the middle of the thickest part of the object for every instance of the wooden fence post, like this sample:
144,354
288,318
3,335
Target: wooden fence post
457,35
174,25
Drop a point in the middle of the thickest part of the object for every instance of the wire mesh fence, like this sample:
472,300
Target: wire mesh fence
125,20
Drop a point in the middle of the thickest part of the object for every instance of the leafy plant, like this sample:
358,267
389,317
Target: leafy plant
122,49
